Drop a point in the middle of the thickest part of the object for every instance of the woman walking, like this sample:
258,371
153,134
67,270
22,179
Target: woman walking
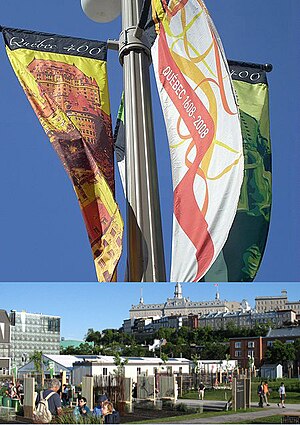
281,395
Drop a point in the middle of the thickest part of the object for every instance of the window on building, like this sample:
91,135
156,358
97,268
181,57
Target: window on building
238,353
270,343
105,371
169,370
237,344
251,344
53,325
139,370
250,353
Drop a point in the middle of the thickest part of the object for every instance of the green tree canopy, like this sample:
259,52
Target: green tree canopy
280,352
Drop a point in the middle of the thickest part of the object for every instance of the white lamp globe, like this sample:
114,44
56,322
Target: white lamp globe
101,10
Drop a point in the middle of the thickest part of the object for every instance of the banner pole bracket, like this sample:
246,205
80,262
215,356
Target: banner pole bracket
113,44
133,39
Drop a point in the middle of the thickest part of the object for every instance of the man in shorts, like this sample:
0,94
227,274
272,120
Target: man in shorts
281,395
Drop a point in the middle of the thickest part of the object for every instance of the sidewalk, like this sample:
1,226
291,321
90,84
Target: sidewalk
247,416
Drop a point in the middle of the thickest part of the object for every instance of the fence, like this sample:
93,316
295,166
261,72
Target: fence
7,413
117,388
214,380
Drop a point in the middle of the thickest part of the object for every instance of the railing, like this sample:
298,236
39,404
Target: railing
7,413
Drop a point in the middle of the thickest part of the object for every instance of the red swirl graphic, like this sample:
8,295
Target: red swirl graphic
186,209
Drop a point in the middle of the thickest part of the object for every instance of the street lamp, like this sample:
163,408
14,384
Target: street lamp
101,10
144,229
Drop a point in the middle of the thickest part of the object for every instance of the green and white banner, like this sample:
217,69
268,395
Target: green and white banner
242,253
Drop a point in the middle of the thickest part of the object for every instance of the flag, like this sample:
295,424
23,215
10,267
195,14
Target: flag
242,253
65,80
204,133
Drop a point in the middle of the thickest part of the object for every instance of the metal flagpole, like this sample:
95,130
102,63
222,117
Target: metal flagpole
144,230
145,241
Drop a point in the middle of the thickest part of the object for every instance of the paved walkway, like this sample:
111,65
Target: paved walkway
247,416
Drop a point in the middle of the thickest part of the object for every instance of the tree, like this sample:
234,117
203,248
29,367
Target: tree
135,350
297,349
109,336
280,352
93,336
37,359
120,363
83,348
195,359
166,333
164,358
214,350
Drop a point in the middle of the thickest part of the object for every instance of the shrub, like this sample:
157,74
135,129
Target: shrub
181,407
71,419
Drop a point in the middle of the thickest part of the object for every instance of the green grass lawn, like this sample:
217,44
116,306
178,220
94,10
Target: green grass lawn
218,395
292,395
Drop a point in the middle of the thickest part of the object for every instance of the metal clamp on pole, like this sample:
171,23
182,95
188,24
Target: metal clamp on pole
112,44
129,42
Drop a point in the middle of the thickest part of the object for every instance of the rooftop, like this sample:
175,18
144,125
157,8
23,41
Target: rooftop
284,332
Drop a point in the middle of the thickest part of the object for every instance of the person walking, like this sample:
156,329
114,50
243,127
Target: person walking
282,394
260,392
201,391
266,393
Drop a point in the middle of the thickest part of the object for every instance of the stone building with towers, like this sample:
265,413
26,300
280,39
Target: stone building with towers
182,306
277,302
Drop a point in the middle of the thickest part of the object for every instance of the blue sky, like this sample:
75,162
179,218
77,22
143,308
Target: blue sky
106,306
42,233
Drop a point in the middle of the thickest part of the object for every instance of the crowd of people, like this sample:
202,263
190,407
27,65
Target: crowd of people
264,393
104,409
14,390
57,399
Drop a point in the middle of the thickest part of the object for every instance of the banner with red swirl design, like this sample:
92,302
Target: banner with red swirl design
204,133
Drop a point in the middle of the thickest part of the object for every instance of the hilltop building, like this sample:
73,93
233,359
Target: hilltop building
182,306
275,303
248,319
275,311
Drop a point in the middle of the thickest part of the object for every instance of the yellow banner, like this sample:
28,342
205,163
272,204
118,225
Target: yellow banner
65,80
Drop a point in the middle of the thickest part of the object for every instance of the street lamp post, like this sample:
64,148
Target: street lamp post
144,229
